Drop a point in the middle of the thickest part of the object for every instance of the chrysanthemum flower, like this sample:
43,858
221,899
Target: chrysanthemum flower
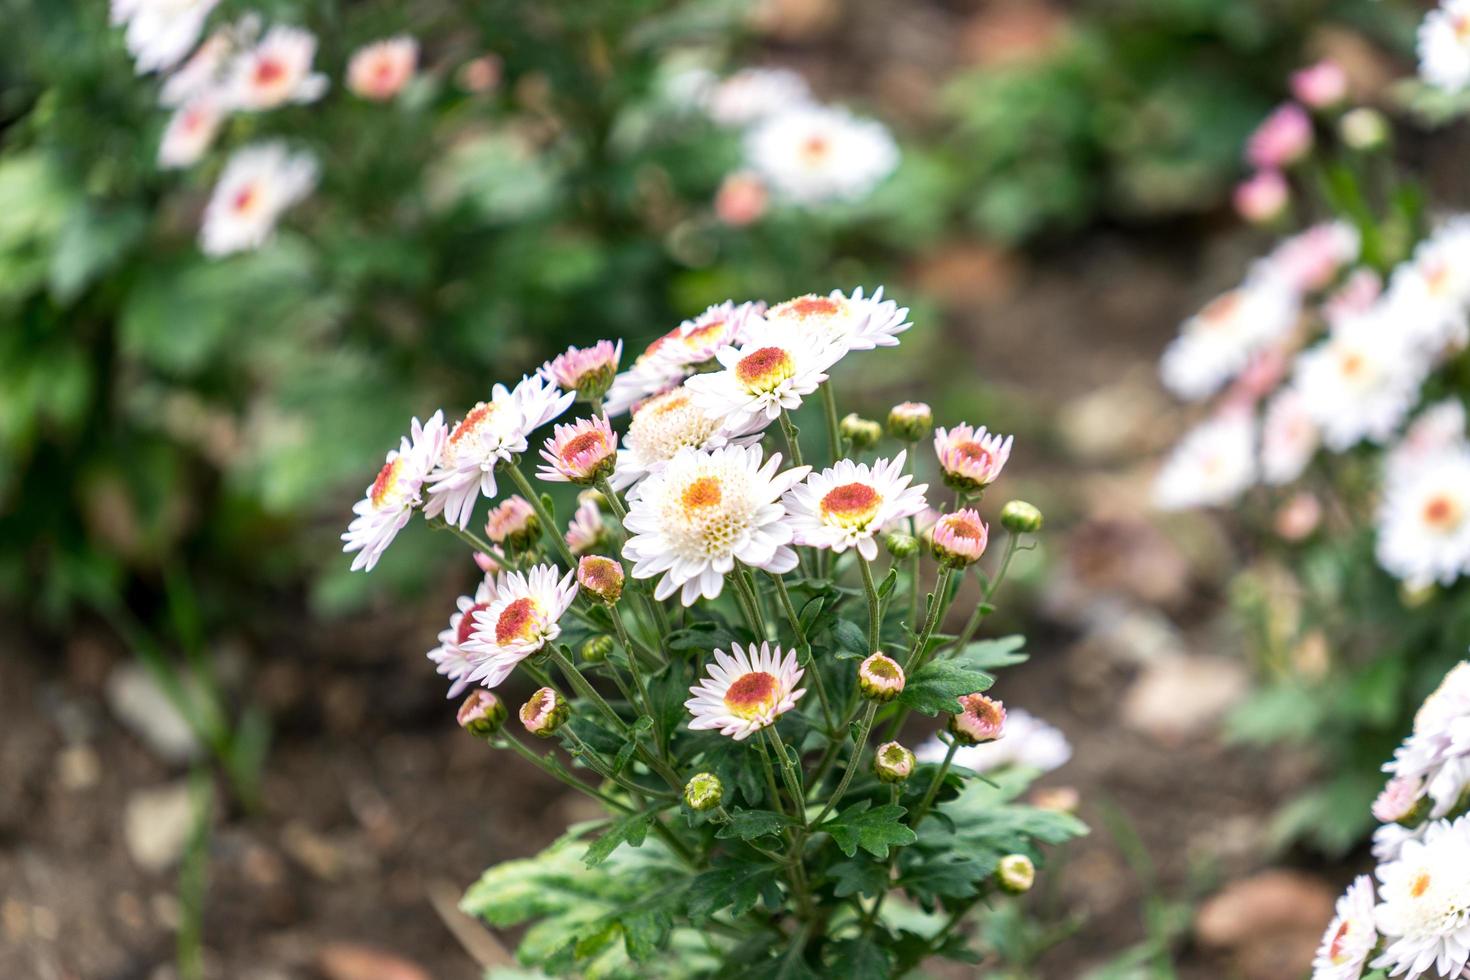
1217,343
202,75
1437,430
665,363
1282,138
880,678
450,657
1423,907
276,71
189,133
380,70
160,32
600,576
855,322
761,378
259,182
1311,259
664,425
980,719
588,371
523,616
958,539
1399,801
391,499
694,519
812,154
1424,523
1320,86
1029,743
544,712
741,199
745,691
1444,46
583,452
513,523
892,763
1350,937
1428,294
1289,438
488,436
752,94
586,529
1213,464
847,505
971,458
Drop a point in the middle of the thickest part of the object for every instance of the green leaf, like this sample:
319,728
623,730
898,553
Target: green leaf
736,886
851,637
630,829
702,636
860,959
944,877
938,685
752,824
890,581
872,830
1004,651
858,876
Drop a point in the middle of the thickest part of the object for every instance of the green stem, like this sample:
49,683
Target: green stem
753,616
834,428
875,620
771,789
922,810
852,764
936,609
914,591
564,777
793,441
795,621
601,766
628,648
548,523
788,773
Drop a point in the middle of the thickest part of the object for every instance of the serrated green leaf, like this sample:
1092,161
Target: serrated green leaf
736,886
850,636
752,824
872,830
858,876
630,830
860,959
1004,651
938,685
947,877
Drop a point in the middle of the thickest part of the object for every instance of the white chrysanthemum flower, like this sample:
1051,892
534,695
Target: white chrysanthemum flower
1289,438
765,375
664,425
666,362
1311,259
1448,703
745,691
810,154
702,512
1361,381
204,72
847,505
189,133
391,499
160,32
582,452
378,71
1027,743
1213,464
1423,907
1435,431
1217,343
451,658
1350,937
276,71
1444,46
259,183
1428,294
752,94
1388,840
523,615
1424,523
489,435
855,322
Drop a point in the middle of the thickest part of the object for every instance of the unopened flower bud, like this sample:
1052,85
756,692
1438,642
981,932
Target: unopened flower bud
544,713
880,678
513,523
892,763
900,545
862,433
481,714
959,538
1320,86
593,496
1019,517
1363,129
1015,874
980,719
596,648
1060,799
1262,199
910,421
1403,801
601,577
704,791
588,371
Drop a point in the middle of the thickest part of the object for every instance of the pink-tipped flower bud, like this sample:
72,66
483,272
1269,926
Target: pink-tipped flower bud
910,421
481,714
601,577
741,199
479,75
1298,518
980,719
892,763
1262,198
544,713
1403,801
959,539
862,433
971,459
1015,874
704,791
1282,139
589,371
1320,86
583,452
880,678
513,524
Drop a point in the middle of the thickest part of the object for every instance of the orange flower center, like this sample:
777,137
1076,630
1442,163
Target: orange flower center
975,453
1335,950
814,149
966,529
703,492
245,199
852,504
1443,513
591,439
751,695
386,485
765,369
808,306
471,423
467,623
699,336
1352,364
269,71
1420,885
517,621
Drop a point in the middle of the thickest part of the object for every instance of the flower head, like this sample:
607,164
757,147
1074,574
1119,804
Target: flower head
848,322
910,421
189,133
668,423
1350,937
259,182
810,154
160,32
1283,138
1029,743
768,374
959,538
666,362
892,763
589,371
1263,197
583,452
481,714
1444,46
704,791
1363,129
745,691
202,75
1401,801
849,504
1015,874
544,712
702,512
522,617
1437,430
860,432
880,678
380,70
1213,464
980,719
1320,86
1423,907
1424,522
752,94
450,657
970,458
602,577
394,494
1289,438
276,71
586,529
513,523
1218,342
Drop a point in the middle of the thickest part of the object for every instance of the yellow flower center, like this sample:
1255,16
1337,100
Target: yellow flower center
851,505
751,695
518,621
385,487
703,492
763,370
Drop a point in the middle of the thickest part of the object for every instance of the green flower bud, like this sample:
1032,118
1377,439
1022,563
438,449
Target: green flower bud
1363,129
1016,874
596,649
910,421
901,545
880,678
1019,517
481,714
704,791
544,713
892,763
862,433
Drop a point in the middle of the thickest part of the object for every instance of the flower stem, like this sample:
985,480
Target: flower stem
936,608
875,619
788,772
584,687
771,789
922,810
563,776
793,440
852,764
548,525
834,429
743,588
795,620
467,536
632,652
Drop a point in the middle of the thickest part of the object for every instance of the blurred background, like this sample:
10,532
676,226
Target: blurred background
224,755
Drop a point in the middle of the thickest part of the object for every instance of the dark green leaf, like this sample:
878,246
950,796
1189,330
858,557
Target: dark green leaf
860,959
849,636
890,581
752,824
858,876
945,877
1004,651
938,685
630,829
736,886
872,830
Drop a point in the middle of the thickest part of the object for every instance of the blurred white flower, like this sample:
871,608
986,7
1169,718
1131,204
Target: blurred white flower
1027,742
259,182
1213,464
1436,430
1218,342
810,154
160,33
189,133
1361,381
276,71
1289,437
398,489
752,94
1424,904
379,71
1350,937
1444,46
1424,522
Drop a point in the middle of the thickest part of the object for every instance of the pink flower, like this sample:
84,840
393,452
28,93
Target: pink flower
1354,296
1320,86
379,71
1298,517
960,538
479,75
588,371
980,719
582,452
1310,260
1399,799
741,199
190,131
1282,138
970,458
513,521
488,563
1263,197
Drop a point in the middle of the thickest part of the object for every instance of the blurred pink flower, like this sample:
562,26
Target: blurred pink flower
1282,138
1320,86
1263,197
